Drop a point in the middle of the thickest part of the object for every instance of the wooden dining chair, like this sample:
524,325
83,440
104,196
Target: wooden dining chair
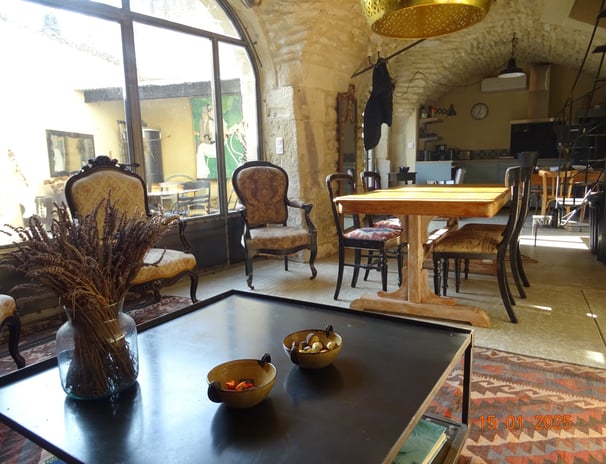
370,181
527,161
463,244
514,255
552,183
370,245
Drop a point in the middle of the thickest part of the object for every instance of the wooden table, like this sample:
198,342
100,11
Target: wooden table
361,409
417,205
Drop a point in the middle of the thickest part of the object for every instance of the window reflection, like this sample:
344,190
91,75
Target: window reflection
64,101
207,14
239,112
178,108
47,124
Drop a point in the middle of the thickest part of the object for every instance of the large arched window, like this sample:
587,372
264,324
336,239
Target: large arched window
167,84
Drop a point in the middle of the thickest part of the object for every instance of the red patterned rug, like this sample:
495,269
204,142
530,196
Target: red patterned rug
523,409
529,410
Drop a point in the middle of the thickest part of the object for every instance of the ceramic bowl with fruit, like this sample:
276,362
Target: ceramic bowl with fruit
313,348
242,383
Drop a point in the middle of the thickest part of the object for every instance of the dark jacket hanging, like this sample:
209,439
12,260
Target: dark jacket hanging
379,106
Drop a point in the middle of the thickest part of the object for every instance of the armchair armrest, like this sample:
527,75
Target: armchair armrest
305,207
170,218
299,204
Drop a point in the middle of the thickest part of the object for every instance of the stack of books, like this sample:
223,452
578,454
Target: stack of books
423,444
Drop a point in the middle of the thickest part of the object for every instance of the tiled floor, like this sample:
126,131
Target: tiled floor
561,319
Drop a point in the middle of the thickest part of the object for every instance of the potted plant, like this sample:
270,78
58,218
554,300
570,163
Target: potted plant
89,262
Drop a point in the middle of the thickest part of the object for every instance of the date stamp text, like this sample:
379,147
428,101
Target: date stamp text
539,422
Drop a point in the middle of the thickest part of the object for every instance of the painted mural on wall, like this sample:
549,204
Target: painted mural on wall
205,135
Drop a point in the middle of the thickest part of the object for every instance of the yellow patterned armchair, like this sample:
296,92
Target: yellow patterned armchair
102,176
262,189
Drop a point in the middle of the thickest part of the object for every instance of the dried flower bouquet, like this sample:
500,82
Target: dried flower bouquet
89,262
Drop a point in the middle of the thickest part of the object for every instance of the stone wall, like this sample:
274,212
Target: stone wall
307,51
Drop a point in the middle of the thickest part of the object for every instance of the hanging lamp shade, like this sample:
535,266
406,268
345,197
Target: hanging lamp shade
511,70
418,19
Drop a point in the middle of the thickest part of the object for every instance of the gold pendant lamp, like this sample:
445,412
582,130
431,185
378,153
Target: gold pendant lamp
419,19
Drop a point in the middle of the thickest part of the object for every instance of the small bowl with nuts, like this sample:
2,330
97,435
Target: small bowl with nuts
313,348
242,383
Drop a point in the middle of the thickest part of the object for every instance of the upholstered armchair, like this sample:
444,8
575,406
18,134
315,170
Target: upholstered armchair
10,319
104,176
262,190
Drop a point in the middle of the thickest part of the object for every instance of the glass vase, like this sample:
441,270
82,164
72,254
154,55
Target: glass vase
97,351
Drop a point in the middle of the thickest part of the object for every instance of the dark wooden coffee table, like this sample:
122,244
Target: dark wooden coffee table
360,409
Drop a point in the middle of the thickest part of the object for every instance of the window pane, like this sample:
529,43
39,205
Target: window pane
202,14
116,3
50,123
175,89
239,97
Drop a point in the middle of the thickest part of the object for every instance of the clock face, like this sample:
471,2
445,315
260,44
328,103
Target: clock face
479,111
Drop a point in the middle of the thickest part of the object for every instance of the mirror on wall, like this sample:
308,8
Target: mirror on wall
347,121
68,151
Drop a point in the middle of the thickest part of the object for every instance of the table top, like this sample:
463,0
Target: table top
465,200
171,192
352,411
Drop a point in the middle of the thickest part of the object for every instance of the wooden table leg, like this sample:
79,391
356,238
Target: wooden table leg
414,297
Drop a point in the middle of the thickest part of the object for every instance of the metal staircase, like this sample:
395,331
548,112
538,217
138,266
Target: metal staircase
581,132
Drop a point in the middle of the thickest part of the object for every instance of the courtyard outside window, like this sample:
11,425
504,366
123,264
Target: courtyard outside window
65,101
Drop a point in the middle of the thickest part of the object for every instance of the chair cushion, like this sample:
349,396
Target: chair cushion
389,223
472,242
173,263
7,306
279,238
372,233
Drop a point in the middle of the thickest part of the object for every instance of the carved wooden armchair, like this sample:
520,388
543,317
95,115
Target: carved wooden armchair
262,189
102,176
10,319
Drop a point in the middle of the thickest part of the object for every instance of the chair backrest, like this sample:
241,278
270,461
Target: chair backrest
193,195
340,184
526,185
262,188
528,158
555,182
101,178
370,180
513,178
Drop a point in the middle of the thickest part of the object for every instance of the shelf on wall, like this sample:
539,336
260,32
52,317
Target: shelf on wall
430,120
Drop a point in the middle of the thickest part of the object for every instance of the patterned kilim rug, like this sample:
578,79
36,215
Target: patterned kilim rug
523,409
529,410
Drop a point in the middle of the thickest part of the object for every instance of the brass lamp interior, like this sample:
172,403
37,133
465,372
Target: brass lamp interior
417,19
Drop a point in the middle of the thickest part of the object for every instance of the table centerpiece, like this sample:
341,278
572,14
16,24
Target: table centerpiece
89,262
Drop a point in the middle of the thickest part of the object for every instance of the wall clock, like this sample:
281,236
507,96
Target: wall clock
479,111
